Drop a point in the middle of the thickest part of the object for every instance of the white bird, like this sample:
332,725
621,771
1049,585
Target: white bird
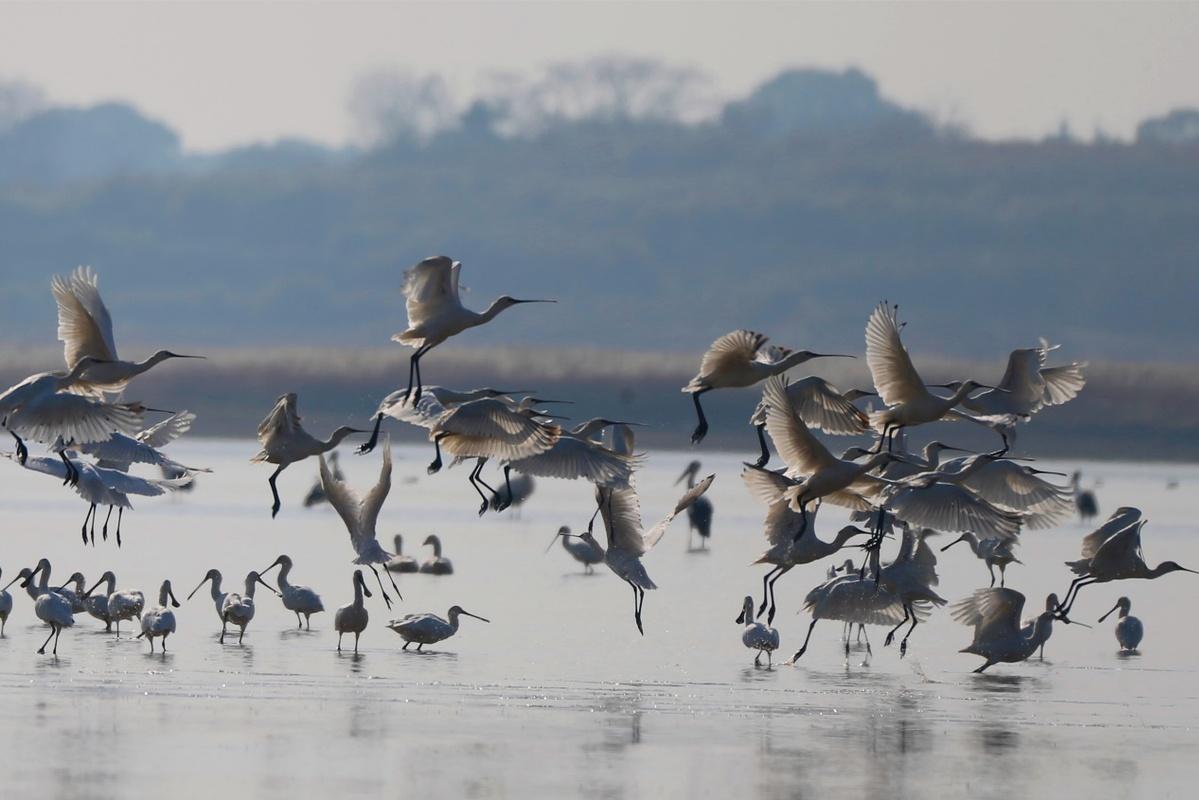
627,541
574,456
97,604
218,596
42,409
699,513
361,515
757,636
780,526
400,562
297,599
1013,487
911,577
353,617
36,590
6,603
429,628
822,406
239,608
435,310
125,604
398,406
284,441
85,329
437,564
854,600
75,596
159,621
586,552
1028,385
1113,552
900,387
1129,630
738,359
998,635
54,610
992,551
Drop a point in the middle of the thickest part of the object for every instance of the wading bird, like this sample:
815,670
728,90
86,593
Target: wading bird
435,310
75,596
97,604
1084,499
736,360
699,513
993,552
361,515
239,608
822,406
586,552
159,621
429,628
353,617
854,600
400,562
757,636
125,604
998,635
910,577
437,564
218,596
1129,630
285,442
54,610
6,603
297,599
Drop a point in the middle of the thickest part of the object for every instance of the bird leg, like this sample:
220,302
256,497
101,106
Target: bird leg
241,634
1072,594
339,635
393,584
275,490
224,625
405,647
72,475
701,430
758,659
42,650
861,629
991,569
93,529
636,607
386,598
804,648
85,519
414,370
299,622
356,635
120,513
22,451
766,591
761,462
419,382
363,449
503,502
1002,575
478,482
770,616
104,530
903,645
435,465
891,634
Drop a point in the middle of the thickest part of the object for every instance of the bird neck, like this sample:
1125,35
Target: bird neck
249,592
492,311
959,395
334,439
162,596
141,366
217,594
284,570
841,538
358,601
436,545
453,615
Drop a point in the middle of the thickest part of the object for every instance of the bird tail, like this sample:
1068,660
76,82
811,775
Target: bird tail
259,457
1079,567
409,338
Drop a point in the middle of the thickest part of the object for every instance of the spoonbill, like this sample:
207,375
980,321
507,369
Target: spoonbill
587,553
297,599
574,456
1113,552
785,551
159,621
285,442
429,628
75,596
239,608
437,564
1028,385
699,513
1084,499
36,590
908,402
627,541
1012,487
1129,630
361,515
998,635
97,604
757,636
736,360
910,577
992,551
6,603
821,406
125,604
218,596
353,617
400,562
398,406
316,495
85,329
54,610
857,601
435,311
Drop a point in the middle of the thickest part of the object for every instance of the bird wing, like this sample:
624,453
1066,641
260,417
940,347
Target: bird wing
283,418
621,512
490,429
125,483
924,560
571,458
890,365
822,406
373,502
1120,519
1063,383
1023,366
168,430
767,487
796,445
84,326
994,613
946,507
1015,488
429,288
654,534
344,500
42,464
849,599
75,418
1120,549
119,451
730,351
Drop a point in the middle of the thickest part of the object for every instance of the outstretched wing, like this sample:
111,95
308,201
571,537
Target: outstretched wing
84,325
621,512
429,288
344,500
727,353
373,502
1063,383
491,429
654,534
890,365
822,406
796,445
283,418
572,459
168,430
994,613
1120,519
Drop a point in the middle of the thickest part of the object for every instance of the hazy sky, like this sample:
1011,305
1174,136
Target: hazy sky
225,73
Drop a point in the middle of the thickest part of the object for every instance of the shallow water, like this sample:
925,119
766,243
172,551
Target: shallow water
560,695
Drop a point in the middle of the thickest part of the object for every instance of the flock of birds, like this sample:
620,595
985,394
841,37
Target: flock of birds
94,438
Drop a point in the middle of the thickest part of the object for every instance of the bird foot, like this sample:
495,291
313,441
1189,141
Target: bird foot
698,435
890,638
761,462
434,467
903,648
770,616
275,509
364,448
483,508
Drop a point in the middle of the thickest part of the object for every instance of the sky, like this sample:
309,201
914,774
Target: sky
225,73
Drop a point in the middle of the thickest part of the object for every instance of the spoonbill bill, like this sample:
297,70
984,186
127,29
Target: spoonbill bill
284,441
998,634
1129,630
992,551
218,596
757,636
159,621
361,516
435,310
400,562
437,564
297,599
740,359
699,513
429,628
587,553
353,617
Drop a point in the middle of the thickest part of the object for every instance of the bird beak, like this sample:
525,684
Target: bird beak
541,401
189,597
1108,614
533,301
551,544
951,544
171,594
829,355
268,569
476,616
88,593
65,585
740,618
14,580
180,355
365,590
956,449
1035,471
159,410
267,585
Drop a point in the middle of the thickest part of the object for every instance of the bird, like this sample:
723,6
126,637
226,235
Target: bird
6,602
125,604
97,604
1028,385
575,456
587,553
627,541
1113,552
36,590
353,617
54,610
159,621
361,516
1012,487
1084,499
239,608
435,310
757,636
399,406
908,402
75,596
437,564
284,441
218,596
910,577
85,329
822,406
429,628
736,360
994,552
855,600
1129,630
785,551
699,513
998,634
297,599
400,562
316,495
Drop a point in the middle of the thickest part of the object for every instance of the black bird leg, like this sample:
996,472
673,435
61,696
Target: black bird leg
374,440
761,462
701,430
